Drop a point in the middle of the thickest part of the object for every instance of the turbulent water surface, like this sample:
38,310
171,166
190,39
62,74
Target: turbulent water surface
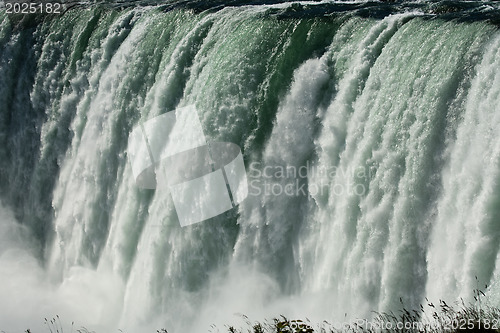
369,133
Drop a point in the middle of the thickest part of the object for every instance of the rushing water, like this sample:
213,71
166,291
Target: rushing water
370,138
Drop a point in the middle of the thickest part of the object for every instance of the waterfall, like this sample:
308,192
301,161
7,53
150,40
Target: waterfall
368,133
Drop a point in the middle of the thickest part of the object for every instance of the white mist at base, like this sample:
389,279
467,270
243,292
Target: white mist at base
22,290
28,297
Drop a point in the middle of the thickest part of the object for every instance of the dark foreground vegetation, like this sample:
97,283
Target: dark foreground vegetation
432,318
442,317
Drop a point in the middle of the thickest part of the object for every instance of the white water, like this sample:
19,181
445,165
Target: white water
403,109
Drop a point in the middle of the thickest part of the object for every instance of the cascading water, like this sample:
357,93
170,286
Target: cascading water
369,133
